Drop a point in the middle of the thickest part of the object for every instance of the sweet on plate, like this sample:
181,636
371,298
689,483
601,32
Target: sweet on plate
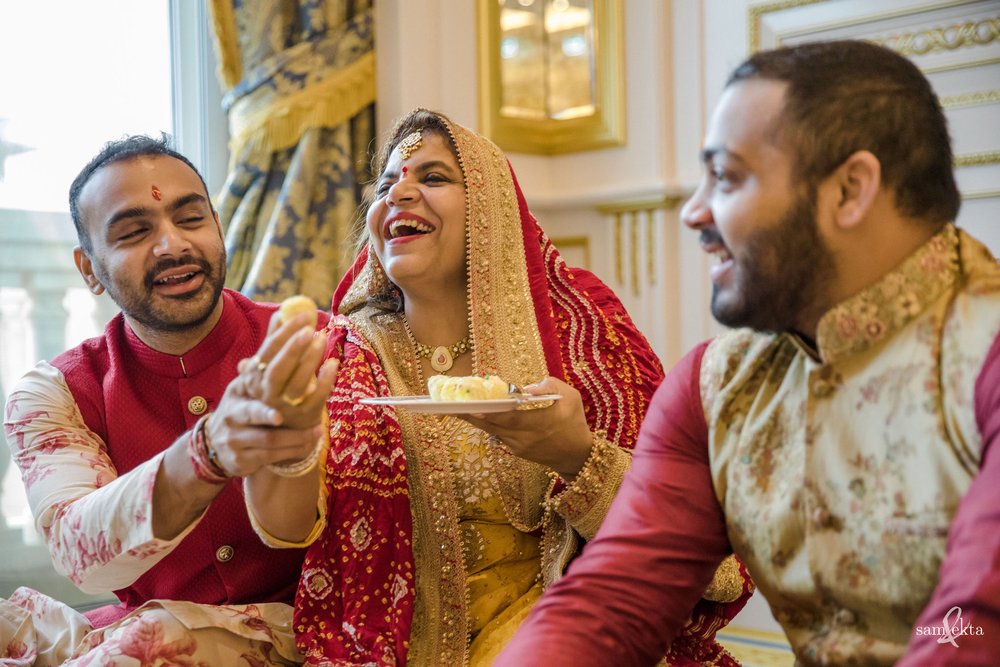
467,388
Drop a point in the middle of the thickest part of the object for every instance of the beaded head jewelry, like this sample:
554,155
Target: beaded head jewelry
410,144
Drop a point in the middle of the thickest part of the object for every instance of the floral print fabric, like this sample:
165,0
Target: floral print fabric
100,536
839,469
36,630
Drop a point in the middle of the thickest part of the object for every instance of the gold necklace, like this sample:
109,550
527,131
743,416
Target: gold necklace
442,357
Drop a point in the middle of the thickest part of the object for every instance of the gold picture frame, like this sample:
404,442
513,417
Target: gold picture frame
603,127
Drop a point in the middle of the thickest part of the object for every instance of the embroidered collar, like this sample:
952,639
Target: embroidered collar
894,301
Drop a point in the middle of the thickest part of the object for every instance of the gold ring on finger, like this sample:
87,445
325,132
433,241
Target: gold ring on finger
293,402
260,364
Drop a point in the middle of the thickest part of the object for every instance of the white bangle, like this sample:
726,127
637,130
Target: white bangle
298,468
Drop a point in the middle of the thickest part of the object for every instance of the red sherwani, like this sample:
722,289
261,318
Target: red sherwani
132,403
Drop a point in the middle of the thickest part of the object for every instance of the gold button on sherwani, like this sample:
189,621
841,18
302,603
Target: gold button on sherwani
197,405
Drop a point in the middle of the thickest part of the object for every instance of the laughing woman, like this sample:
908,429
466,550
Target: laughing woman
434,535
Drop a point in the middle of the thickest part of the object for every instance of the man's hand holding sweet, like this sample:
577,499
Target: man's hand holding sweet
273,411
283,377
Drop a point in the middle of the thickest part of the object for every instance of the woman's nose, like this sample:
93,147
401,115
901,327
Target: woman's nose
403,191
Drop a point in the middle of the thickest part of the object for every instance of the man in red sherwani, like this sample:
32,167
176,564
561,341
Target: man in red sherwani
133,444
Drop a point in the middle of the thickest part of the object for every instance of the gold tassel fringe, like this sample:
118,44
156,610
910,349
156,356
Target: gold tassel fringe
226,43
326,104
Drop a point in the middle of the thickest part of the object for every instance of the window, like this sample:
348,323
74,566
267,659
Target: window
73,76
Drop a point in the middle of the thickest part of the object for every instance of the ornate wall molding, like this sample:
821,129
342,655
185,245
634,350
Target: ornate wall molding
634,213
930,39
980,97
582,242
667,200
944,38
952,67
981,194
758,11
977,159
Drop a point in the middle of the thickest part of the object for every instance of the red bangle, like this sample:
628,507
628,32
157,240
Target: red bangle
203,459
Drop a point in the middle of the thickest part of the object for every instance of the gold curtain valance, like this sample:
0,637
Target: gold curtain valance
275,124
321,81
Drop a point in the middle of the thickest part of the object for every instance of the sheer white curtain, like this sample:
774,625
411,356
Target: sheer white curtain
74,75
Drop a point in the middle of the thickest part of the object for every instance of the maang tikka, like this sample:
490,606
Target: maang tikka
410,144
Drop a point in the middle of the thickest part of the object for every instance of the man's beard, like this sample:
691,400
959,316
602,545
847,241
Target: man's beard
779,274
140,303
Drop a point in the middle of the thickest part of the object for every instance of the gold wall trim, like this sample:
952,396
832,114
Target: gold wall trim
650,248
665,201
561,242
634,252
971,99
758,11
619,263
756,14
640,211
968,64
981,194
945,38
977,159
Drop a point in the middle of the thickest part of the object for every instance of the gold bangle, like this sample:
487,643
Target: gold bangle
298,468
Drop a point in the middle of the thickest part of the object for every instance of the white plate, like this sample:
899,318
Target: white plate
427,405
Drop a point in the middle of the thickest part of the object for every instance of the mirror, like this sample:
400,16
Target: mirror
551,74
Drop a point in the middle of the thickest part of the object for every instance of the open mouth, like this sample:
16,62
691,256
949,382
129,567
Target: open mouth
711,242
722,265
405,225
178,280
721,254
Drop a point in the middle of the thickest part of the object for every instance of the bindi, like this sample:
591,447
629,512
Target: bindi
155,191
404,170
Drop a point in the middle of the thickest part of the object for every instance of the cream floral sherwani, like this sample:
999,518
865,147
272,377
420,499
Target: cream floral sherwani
839,469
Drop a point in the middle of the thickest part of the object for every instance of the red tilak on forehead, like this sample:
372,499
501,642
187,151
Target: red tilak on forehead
156,193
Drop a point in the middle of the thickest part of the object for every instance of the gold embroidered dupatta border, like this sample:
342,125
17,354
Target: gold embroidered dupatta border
507,343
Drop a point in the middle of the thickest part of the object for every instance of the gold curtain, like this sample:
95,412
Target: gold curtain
300,82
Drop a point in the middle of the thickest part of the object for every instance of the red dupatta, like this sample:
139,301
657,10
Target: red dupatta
530,315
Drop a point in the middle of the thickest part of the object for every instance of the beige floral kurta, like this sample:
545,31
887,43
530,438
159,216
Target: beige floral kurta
839,469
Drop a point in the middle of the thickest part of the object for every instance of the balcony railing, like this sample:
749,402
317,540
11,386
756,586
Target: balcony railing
45,309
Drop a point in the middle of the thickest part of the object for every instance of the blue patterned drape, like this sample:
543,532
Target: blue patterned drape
300,77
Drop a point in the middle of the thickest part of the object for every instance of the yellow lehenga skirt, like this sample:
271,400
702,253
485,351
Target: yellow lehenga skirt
502,565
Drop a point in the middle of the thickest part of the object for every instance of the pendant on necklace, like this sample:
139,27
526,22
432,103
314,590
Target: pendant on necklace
441,359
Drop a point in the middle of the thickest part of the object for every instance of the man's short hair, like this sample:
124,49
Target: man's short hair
128,148
846,96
